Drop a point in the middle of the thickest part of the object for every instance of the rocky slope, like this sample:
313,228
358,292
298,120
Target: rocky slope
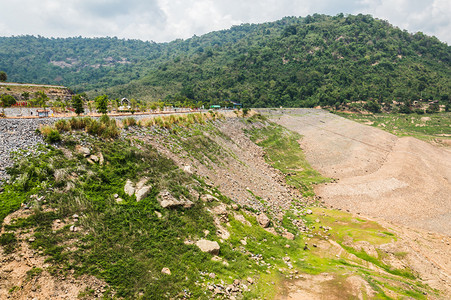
264,239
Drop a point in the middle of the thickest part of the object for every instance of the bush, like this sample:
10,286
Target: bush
405,109
372,106
53,136
62,125
129,122
7,100
418,111
8,241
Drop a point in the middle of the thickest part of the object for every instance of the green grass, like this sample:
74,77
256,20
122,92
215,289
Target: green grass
283,152
425,126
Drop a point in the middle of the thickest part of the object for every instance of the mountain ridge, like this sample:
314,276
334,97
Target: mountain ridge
315,60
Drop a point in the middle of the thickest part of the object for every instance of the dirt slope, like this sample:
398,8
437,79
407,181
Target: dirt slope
403,180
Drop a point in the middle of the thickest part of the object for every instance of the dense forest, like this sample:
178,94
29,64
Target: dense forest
316,60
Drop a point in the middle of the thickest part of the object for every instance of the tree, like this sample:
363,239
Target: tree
41,98
102,104
3,76
7,100
133,105
77,104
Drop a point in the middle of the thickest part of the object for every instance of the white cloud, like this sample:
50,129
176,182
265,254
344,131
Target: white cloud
166,20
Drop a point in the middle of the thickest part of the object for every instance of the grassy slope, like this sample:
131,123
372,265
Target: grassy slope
128,244
428,127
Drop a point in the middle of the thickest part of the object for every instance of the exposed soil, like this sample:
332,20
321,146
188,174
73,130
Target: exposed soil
403,183
403,180
241,173
17,281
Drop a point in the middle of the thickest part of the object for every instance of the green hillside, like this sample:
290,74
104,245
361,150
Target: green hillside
307,61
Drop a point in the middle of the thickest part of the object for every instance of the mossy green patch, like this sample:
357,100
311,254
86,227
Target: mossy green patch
425,127
283,152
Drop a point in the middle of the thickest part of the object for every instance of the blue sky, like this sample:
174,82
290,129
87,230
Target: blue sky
166,20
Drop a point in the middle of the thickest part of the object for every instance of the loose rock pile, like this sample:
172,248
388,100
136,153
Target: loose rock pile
18,134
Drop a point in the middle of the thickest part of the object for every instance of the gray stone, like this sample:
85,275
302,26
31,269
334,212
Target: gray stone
83,150
143,192
166,271
129,189
288,235
263,220
208,198
211,247
94,158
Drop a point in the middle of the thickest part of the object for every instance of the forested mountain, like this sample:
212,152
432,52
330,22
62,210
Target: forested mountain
307,61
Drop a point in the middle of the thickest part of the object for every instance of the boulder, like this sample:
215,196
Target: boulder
288,235
188,204
220,210
83,150
143,192
211,247
166,199
166,271
263,220
187,169
208,198
141,183
129,189
94,158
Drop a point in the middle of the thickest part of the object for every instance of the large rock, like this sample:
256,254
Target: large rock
208,246
263,220
166,200
166,271
129,189
143,192
83,150
288,235
208,198
141,183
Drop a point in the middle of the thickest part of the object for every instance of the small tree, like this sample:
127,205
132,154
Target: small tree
77,104
26,95
3,76
153,106
41,98
102,104
133,104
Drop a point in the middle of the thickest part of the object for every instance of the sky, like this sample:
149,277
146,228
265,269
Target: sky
167,20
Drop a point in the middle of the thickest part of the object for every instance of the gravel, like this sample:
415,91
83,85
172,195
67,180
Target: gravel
17,134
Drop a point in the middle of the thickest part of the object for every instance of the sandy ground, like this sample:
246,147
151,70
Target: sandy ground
403,180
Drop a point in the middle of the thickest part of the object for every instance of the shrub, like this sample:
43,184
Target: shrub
8,241
104,119
78,123
53,136
62,125
418,111
129,122
373,106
